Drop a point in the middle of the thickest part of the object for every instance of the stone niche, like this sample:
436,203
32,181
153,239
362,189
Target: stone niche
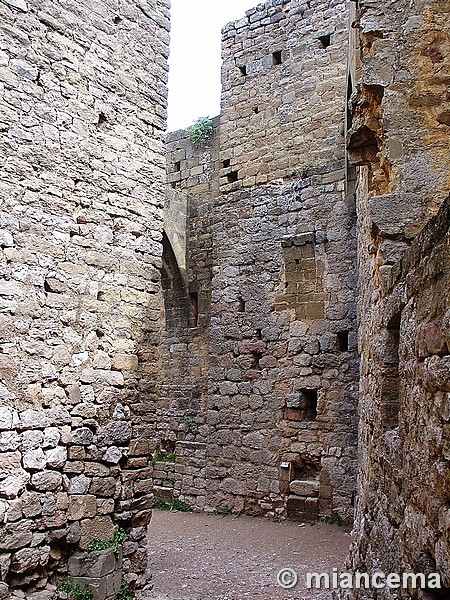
303,286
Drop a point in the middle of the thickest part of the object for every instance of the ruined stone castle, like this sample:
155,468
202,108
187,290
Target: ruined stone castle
256,323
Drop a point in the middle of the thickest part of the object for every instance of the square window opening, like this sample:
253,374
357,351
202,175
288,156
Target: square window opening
232,177
325,40
276,57
305,407
243,70
226,163
310,397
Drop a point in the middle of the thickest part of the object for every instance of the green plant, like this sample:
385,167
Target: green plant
124,592
201,130
113,543
333,519
170,457
172,505
222,512
74,591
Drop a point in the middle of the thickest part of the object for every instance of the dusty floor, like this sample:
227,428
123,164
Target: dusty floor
206,557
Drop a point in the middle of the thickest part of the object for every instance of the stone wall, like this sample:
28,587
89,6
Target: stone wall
259,398
82,118
403,516
283,90
180,422
283,375
398,133
398,119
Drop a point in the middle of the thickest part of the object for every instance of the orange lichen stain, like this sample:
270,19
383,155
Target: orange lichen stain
430,95
366,140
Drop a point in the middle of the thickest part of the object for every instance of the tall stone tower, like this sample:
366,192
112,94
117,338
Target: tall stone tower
269,277
82,140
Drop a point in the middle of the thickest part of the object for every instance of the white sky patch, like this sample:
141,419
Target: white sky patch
195,48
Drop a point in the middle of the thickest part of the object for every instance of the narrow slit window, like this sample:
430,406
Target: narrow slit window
310,403
193,296
178,166
342,340
390,378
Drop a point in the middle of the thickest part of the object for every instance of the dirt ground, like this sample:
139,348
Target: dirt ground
205,557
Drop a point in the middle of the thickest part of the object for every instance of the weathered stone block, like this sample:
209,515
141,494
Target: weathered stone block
16,536
5,561
112,455
125,362
32,419
81,507
6,418
116,433
302,508
99,528
82,436
103,486
141,518
92,564
430,340
13,485
143,503
304,488
46,481
10,461
25,560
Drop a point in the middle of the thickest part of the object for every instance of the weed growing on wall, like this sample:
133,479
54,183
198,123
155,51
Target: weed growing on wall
113,543
201,130
74,591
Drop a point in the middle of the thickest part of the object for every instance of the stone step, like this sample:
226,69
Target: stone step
304,487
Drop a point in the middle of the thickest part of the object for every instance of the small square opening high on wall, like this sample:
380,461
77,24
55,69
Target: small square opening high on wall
276,57
243,70
325,40
232,177
301,406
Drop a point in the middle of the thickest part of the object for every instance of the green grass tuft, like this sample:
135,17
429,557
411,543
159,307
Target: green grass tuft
173,505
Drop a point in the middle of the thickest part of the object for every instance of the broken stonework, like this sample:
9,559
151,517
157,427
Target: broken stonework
100,572
402,180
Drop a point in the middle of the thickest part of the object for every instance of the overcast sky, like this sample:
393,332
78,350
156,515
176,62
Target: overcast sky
194,77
